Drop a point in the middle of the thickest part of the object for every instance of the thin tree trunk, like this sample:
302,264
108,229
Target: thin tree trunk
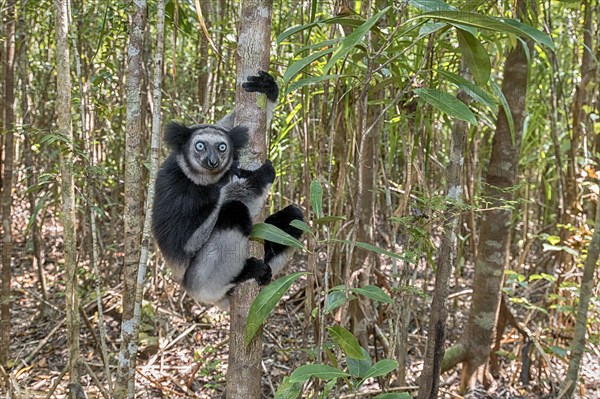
495,232
585,294
125,381
7,180
446,262
63,81
244,366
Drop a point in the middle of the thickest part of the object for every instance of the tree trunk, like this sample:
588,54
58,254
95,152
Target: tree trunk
65,128
125,383
244,366
446,262
7,180
585,294
495,232
572,194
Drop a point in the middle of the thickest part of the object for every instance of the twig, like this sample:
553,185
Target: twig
43,342
96,380
269,381
55,385
378,391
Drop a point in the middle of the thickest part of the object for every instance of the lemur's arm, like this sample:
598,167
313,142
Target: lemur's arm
263,83
249,191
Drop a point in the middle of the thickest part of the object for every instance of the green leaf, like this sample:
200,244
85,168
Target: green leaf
316,198
431,5
447,104
476,92
370,291
297,66
288,390
484,22
354,38
558,248
310,81
346,341
320,371
553,240
373,292
394,395
475,55
299,224
273,233
359,368
293,30
335,299
381,251
511,123
265,302
380,368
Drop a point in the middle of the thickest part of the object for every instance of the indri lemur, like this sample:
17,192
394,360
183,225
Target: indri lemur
204,206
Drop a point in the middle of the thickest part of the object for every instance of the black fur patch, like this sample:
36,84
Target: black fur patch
282,220
254,268
176,135
239,139
181,203
263,83
234,216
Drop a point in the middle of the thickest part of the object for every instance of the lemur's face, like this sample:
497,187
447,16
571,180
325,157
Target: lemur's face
209,155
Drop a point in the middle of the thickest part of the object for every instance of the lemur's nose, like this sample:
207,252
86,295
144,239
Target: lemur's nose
213,163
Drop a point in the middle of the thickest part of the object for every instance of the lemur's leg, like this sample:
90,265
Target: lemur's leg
276,255
254,269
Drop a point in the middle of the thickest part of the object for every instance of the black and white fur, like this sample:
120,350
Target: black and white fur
205,204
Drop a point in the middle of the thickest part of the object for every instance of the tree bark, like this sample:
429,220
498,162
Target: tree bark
7,180
65,128
572,194
495,231
125,382
254,42
585,295
446,262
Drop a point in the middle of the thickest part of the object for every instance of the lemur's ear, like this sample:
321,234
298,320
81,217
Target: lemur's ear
239,137
176,135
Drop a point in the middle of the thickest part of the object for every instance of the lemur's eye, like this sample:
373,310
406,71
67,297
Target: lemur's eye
222,147
200,146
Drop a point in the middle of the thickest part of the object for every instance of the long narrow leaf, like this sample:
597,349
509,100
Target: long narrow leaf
476,92
273,233
320,371
475,55
353,39
447,104
382,367
316,198
346,341
484,22
506,109
310,81
297,66
370,291
265,302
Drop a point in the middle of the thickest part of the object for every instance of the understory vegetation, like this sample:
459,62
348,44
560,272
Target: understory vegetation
445,156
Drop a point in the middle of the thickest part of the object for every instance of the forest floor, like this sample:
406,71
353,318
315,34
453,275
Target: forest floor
183,345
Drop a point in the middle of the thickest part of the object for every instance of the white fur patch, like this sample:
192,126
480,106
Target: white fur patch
216,265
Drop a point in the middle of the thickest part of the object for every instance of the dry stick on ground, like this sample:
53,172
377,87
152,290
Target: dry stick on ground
244,370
